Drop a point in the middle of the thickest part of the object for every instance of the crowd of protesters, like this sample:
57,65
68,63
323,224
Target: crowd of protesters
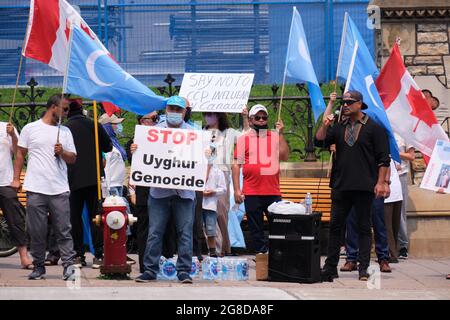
369,190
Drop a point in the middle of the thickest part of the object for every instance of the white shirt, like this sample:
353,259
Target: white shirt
46,173
225,142
215,182
402,147
115,168
6,151
396,186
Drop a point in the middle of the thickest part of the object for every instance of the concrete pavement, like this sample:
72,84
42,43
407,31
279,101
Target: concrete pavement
414,279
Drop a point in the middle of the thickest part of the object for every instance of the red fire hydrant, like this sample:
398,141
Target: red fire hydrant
115,220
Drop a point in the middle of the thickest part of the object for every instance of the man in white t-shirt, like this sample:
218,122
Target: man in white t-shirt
12,209
47,184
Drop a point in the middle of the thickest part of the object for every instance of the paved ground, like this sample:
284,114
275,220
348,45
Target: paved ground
412,279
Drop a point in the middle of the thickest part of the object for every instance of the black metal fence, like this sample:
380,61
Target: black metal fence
297,113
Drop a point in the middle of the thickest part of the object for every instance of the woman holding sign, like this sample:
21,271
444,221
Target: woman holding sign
225,139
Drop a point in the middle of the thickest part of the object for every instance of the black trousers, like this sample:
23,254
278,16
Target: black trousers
14,213
255,206
342,202
141,212
77,200
198,236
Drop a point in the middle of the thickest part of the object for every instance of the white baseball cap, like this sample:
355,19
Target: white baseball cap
256,108
104,119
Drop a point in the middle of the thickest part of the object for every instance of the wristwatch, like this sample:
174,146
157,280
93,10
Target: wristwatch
388,182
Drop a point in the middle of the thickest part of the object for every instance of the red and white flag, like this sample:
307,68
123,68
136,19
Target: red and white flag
47,37
408,111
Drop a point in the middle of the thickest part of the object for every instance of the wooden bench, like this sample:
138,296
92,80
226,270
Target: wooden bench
295,190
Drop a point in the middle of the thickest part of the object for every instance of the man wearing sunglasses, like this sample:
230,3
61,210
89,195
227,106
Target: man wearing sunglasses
46,183
259,152
358,175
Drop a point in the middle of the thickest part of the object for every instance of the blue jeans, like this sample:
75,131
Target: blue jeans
379,227
183,214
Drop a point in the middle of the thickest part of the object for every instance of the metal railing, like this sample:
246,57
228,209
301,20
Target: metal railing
297,113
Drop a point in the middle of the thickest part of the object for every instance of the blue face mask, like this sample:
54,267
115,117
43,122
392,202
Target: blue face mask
119,129
174,118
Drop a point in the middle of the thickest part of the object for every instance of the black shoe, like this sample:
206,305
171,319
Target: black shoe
37,274
363,275
184,278
393,260
329,274
145,277
403,254
51,261
68,272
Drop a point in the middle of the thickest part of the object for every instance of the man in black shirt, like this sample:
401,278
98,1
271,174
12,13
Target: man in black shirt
359,173
83,180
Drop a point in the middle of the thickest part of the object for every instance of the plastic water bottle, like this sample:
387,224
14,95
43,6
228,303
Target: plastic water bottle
169,269
308,203
211,268
241,270
160,275
104,186
227,269
195,269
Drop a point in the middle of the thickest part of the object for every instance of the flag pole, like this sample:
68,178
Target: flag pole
97,159
338,69
13,104
69,49
282,93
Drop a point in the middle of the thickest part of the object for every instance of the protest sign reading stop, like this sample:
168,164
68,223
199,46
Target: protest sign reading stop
170,158
217,92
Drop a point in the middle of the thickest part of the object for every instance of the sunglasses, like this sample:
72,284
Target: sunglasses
349,102
264,118
153,119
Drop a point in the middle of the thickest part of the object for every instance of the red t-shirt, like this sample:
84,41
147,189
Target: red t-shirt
259,156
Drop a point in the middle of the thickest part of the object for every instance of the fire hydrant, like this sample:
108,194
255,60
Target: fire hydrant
115,220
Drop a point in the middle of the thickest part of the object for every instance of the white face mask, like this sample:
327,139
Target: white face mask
174,118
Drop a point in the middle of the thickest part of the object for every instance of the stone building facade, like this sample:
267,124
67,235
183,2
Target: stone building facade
424,29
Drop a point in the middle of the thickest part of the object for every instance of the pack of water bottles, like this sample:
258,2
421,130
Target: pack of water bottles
232,269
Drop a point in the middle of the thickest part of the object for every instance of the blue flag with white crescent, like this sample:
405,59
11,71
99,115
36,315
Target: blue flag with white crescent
357,67
92,73
299,64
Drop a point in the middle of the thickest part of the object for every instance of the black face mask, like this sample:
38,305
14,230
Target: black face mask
258,127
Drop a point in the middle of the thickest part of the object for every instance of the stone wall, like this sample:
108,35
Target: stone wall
424,30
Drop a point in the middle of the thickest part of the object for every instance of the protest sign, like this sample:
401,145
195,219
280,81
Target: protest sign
170,158
437,175
217,92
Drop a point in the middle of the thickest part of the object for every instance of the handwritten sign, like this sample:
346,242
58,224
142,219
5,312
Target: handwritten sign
170,158
437,175
217,92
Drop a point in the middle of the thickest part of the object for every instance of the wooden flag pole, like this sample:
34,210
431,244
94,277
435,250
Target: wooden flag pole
15,89
282,95
13,104
97,151
64,81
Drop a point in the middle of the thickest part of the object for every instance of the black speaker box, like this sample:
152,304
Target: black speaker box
294,248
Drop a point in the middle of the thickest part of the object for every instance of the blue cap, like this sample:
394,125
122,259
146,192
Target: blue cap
176,101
